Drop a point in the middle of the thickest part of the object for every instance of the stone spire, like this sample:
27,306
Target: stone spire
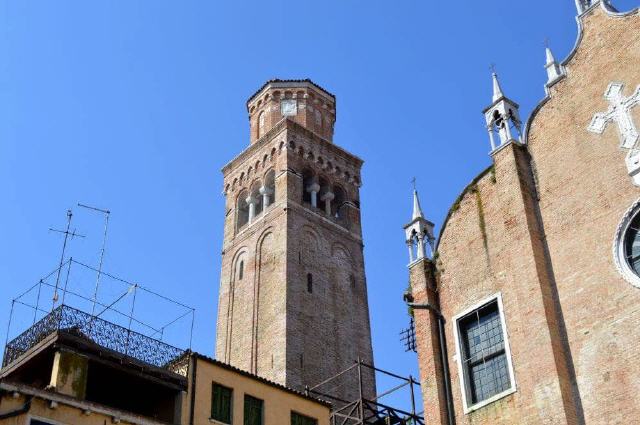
417,209
419,233
554,70
502,117
497,90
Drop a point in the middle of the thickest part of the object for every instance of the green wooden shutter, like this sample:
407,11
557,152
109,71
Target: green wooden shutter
221,403
252,410
298,419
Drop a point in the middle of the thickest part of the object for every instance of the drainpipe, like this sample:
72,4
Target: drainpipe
443,357
194,358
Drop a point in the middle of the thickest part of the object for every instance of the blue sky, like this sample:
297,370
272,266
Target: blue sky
136,105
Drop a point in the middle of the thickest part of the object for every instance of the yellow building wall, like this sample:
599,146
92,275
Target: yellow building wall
61,415
278,403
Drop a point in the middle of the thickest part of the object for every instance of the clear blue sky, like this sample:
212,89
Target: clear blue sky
136,105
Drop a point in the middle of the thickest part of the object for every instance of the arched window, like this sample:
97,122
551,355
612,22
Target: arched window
260,124
241,270
242,209
309,283
318,117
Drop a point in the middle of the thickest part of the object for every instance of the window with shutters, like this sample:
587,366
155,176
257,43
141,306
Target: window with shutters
221,403
298,419
252,410
483,356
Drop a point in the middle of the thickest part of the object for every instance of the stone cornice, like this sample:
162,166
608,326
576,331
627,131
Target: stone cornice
287,124
284,84
333,148
253,148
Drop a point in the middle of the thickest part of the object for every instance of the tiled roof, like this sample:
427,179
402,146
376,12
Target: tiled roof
277,80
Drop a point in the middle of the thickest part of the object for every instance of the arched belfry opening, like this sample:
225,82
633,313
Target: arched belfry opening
419,233
338,204
256,199
268,189
308,184
502,118
242,209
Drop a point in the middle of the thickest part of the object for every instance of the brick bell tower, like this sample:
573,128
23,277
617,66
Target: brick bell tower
293,295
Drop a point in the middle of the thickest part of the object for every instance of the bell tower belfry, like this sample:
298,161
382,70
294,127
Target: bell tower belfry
293,295
502,118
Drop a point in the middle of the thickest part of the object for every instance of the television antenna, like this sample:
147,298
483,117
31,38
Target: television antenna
67,235
106,214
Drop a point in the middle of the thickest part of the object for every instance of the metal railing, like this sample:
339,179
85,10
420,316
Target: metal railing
370,411
99,331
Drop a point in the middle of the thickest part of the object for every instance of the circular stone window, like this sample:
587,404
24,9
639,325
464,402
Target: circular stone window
627,245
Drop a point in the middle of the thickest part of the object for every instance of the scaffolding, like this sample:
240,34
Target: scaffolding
370,411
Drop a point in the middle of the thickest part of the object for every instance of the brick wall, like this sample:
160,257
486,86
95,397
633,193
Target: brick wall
268,322
538,228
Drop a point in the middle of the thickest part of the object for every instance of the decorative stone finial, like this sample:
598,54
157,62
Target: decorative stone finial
497,90
417,209
419,233
554,70
501,117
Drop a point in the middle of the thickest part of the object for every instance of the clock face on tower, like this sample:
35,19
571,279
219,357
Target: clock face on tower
288,107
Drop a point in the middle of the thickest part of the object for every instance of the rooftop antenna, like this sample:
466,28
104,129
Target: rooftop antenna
106,213
66,234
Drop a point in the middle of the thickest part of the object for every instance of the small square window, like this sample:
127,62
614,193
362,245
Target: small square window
483,354
252,410
221,403
298,419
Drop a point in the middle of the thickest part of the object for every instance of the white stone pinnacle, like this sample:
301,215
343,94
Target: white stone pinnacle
554,71
417,209
550,58
497,90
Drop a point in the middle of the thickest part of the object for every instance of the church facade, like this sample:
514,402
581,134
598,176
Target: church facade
527,309
293,295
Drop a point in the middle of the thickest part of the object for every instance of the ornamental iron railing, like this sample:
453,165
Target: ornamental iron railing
101,332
